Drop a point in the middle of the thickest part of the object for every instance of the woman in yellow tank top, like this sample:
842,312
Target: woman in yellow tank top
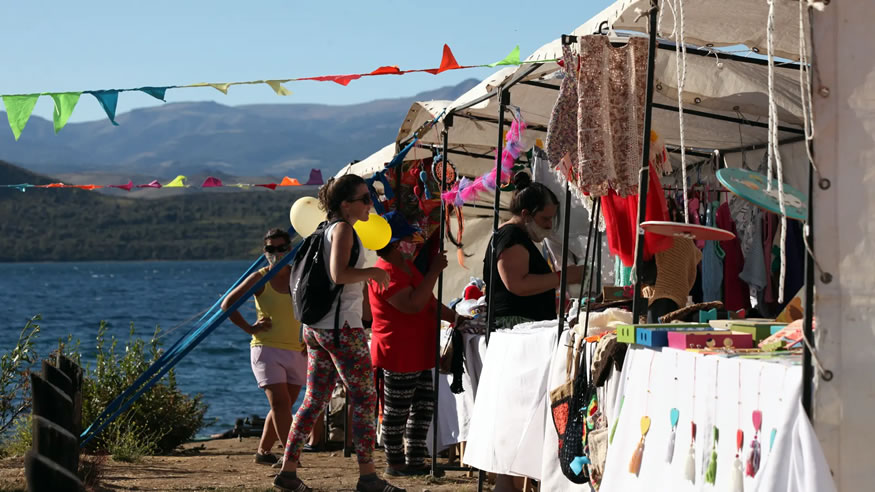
277,353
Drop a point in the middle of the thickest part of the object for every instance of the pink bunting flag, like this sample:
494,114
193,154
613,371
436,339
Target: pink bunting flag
211,182
270,186
126,187
153,184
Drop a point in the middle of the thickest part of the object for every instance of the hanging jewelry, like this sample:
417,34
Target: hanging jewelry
690,467
673,415
711,469
635,462
753,457
737,468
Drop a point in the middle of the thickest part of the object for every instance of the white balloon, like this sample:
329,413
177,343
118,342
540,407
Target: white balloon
306,215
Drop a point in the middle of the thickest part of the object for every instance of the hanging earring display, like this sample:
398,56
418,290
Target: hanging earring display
737,468
711,469
753,457
614,427
690,466
674,414
638,455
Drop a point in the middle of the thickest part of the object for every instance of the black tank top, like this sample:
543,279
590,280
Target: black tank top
536,307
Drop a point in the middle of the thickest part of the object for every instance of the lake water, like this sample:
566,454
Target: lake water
74,297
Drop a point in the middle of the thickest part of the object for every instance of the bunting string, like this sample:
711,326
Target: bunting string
177,182
20,106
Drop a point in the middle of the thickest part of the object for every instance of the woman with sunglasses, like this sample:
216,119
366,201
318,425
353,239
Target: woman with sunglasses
276,351
347,201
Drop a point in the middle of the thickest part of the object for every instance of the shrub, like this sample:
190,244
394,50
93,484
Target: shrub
15,368
160,420
19,437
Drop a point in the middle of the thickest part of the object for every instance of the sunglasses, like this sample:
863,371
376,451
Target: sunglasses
365,199
280,248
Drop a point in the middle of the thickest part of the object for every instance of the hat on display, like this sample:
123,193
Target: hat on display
400,227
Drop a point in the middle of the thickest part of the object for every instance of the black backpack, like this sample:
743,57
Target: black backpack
312,290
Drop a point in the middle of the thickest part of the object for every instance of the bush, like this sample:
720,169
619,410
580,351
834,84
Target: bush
19,438
160,420
15,368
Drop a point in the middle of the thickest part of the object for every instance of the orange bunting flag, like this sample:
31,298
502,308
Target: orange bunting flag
387,70
448,62
87,187
287,181
51,185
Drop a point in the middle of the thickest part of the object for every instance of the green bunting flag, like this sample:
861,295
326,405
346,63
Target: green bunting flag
512,59
18,110
64,104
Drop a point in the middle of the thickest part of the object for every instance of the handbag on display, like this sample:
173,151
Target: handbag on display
568,405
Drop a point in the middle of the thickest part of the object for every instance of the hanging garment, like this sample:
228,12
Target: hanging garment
736,293
611,87
712,264
621,222
676,272
770,223
562,128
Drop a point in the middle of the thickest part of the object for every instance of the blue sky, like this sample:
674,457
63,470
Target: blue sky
53,46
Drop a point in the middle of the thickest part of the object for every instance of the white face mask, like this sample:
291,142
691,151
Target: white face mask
536,232
271,258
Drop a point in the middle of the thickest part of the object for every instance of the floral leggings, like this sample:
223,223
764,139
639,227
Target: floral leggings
325,362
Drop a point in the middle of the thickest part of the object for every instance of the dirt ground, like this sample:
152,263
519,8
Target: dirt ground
227,464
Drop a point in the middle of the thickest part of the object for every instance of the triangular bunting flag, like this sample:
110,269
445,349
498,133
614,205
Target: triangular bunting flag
64,104
211,182
223,87
271,186
156,92
387,70
512,59
88,187
241,185
448,62
21,187
178,182
18,110
153,184
315,177
51,185
287,181
126,187
108,100
277,87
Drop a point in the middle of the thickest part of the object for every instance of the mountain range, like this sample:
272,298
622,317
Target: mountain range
199,138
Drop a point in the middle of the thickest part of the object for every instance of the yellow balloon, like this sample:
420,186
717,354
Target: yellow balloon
306,215
375,233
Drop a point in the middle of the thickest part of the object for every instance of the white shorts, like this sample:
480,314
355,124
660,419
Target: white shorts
275,366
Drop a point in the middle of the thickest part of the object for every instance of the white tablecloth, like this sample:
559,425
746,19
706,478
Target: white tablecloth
511,429
506,434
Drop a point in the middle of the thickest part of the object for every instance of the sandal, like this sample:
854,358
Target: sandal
288,484
376,485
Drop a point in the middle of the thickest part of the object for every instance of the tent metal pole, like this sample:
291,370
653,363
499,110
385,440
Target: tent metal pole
493,267
445,134
731,119
563,281
644,175
504,100
487,119
808,320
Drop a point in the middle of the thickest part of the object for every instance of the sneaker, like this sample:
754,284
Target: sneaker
287,484
266,459
410,471
378,485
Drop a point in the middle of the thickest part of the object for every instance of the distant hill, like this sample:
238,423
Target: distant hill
207,137
77,225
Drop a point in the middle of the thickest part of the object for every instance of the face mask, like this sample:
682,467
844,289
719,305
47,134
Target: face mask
271,258
407,249
536,232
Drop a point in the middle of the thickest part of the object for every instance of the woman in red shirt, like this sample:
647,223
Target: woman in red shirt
403,346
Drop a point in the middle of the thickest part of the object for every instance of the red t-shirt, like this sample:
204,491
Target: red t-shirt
401,342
